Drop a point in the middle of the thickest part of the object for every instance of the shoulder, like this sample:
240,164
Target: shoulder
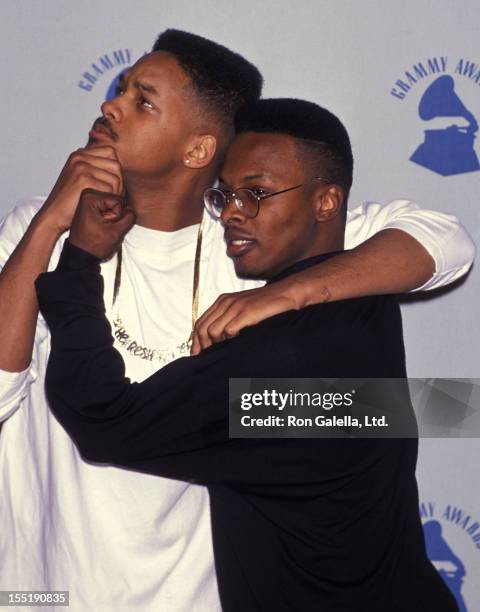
353,319
335,316
350,338
362,337
372,210
15,224
361,311
22,213
371,217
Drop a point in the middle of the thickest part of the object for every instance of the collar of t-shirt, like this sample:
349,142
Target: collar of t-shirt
157,242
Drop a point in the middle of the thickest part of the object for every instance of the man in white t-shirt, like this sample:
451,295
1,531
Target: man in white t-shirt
120,540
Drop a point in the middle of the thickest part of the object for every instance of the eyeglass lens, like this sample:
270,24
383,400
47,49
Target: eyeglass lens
244,199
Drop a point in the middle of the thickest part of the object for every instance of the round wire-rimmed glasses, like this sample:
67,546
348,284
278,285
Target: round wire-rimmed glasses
246,200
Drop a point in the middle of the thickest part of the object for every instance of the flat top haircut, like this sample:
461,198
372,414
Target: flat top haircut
322,139
222,79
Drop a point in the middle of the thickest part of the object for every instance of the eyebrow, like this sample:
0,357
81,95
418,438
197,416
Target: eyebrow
250,177
145,87
137,84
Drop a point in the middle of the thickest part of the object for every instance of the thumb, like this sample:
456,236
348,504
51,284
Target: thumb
126,221
112,212
106,205
196,346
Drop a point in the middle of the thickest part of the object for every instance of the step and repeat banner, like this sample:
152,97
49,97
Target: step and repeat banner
404,78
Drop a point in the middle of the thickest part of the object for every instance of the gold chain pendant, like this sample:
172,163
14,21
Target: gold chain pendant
159,355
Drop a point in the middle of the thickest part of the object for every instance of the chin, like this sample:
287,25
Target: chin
250,272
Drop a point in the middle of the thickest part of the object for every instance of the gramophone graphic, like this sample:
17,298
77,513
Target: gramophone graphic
450,150
113,87
448,565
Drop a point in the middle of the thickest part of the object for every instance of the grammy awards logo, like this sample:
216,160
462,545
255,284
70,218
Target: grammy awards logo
452,540
451,127
450,150
116,62
448,564
113,87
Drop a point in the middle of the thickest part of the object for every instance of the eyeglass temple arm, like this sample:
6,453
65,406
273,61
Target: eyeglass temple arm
270,195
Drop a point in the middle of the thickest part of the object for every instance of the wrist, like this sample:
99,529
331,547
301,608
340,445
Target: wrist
75,258
46,222
307,288
296,289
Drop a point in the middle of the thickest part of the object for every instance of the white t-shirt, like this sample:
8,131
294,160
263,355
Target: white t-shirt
120,540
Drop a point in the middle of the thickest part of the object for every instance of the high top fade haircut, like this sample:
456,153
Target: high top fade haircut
322,141
223,80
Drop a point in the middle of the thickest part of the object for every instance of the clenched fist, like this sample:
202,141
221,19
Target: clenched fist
100,223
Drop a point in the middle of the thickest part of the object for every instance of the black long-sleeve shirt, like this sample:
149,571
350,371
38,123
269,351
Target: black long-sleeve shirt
297,524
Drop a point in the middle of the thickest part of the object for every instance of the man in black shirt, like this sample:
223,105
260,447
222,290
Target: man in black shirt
298,524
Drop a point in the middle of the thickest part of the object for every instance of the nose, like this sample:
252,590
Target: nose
232,213
111,110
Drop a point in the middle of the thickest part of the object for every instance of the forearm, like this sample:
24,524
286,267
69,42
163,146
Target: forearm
71,300
174,424
442,236
391,261
18,302
86,383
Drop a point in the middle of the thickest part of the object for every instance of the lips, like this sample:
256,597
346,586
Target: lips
238,244
102,129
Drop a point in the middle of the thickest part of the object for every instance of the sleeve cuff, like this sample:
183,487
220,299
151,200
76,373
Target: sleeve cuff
74,258
448,244
14,387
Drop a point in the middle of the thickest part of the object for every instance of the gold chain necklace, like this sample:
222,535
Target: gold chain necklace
159,355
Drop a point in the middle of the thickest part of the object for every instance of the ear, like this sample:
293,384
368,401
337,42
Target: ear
200,151
328,203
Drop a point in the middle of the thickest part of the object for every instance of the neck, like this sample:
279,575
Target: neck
327,240
325,243
168,204
328,243
302,264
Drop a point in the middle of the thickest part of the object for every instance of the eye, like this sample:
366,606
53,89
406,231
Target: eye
142,101
259,192
119,90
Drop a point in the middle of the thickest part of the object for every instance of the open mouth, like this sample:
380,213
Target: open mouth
239,246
